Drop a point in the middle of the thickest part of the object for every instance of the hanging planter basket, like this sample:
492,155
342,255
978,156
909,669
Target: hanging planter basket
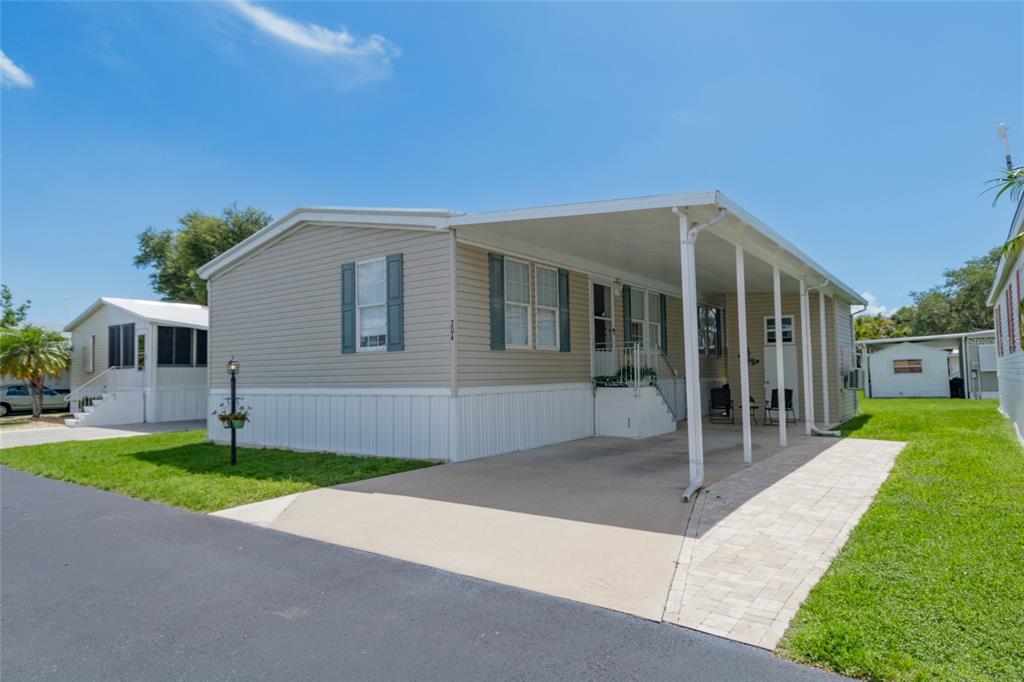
238,423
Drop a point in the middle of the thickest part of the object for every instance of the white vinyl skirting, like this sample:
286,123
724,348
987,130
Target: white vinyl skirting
415,423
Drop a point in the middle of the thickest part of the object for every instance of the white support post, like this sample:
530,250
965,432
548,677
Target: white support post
694,429
807,365
741,312
827,417
780,371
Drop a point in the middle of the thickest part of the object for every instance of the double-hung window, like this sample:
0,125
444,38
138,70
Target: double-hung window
517,304
787,329
638,316
547,308
371,304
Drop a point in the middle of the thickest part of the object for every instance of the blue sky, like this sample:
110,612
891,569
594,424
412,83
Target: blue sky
862,132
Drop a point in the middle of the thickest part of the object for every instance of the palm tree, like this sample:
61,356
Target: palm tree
1010,182
31,354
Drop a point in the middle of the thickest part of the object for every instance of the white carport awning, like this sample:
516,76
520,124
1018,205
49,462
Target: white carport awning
638,240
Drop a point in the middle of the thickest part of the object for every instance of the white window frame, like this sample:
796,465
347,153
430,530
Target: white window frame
538,307
792,330
528,305
610,317
649,321
359,309
643,321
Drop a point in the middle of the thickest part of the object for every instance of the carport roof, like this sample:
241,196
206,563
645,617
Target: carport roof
637,235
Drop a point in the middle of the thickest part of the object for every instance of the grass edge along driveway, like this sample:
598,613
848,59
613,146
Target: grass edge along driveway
930,584
184,470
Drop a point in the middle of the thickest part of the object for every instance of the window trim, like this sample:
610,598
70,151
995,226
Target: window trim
792,329
556,309
360,348
528,305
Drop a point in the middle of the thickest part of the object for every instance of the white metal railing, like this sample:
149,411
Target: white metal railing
87,392
667,382
110,379
635,365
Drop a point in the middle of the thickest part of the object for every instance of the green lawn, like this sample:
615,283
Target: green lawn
183,470
930,584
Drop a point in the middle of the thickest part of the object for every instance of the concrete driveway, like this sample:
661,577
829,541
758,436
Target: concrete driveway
97,586
61,434
599,520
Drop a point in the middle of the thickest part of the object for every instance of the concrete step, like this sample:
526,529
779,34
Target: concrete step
70,421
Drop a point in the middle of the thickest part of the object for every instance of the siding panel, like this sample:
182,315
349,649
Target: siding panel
279,312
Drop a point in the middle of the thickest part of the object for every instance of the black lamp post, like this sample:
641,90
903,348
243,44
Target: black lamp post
233,372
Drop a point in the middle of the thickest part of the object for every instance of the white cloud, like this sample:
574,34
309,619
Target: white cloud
371,55
873,307
12,75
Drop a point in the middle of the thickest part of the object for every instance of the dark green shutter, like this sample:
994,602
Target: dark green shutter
663,305
627,320
396,317
497,264
348,308
564,345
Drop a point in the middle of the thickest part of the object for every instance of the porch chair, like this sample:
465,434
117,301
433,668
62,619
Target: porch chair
721,411
773,406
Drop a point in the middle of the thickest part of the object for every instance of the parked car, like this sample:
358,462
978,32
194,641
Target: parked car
17,398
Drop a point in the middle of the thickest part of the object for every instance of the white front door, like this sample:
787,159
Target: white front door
789,372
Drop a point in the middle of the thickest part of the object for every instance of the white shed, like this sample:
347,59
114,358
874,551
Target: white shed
909,370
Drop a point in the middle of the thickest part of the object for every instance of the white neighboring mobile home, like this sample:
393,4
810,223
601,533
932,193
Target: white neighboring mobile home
923,366
433,333
138,361
1005,298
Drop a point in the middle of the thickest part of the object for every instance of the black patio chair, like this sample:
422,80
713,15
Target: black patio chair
721,411
773,406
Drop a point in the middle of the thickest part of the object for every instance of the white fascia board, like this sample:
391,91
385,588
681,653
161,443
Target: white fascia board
589,208
396,219
70,326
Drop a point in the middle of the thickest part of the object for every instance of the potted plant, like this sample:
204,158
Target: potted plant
229,418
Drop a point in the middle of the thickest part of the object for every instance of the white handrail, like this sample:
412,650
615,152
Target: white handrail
68,396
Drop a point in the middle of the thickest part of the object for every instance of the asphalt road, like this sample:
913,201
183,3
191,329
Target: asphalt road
100,586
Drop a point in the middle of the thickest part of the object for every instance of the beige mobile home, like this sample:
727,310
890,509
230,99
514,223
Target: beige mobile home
136,361
434,333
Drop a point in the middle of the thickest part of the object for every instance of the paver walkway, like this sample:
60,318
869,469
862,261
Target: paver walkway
759,540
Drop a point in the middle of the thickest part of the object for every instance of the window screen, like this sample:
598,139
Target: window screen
200,348
165,346
182,346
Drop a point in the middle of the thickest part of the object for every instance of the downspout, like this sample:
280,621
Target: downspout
454,424
689,335
815,431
